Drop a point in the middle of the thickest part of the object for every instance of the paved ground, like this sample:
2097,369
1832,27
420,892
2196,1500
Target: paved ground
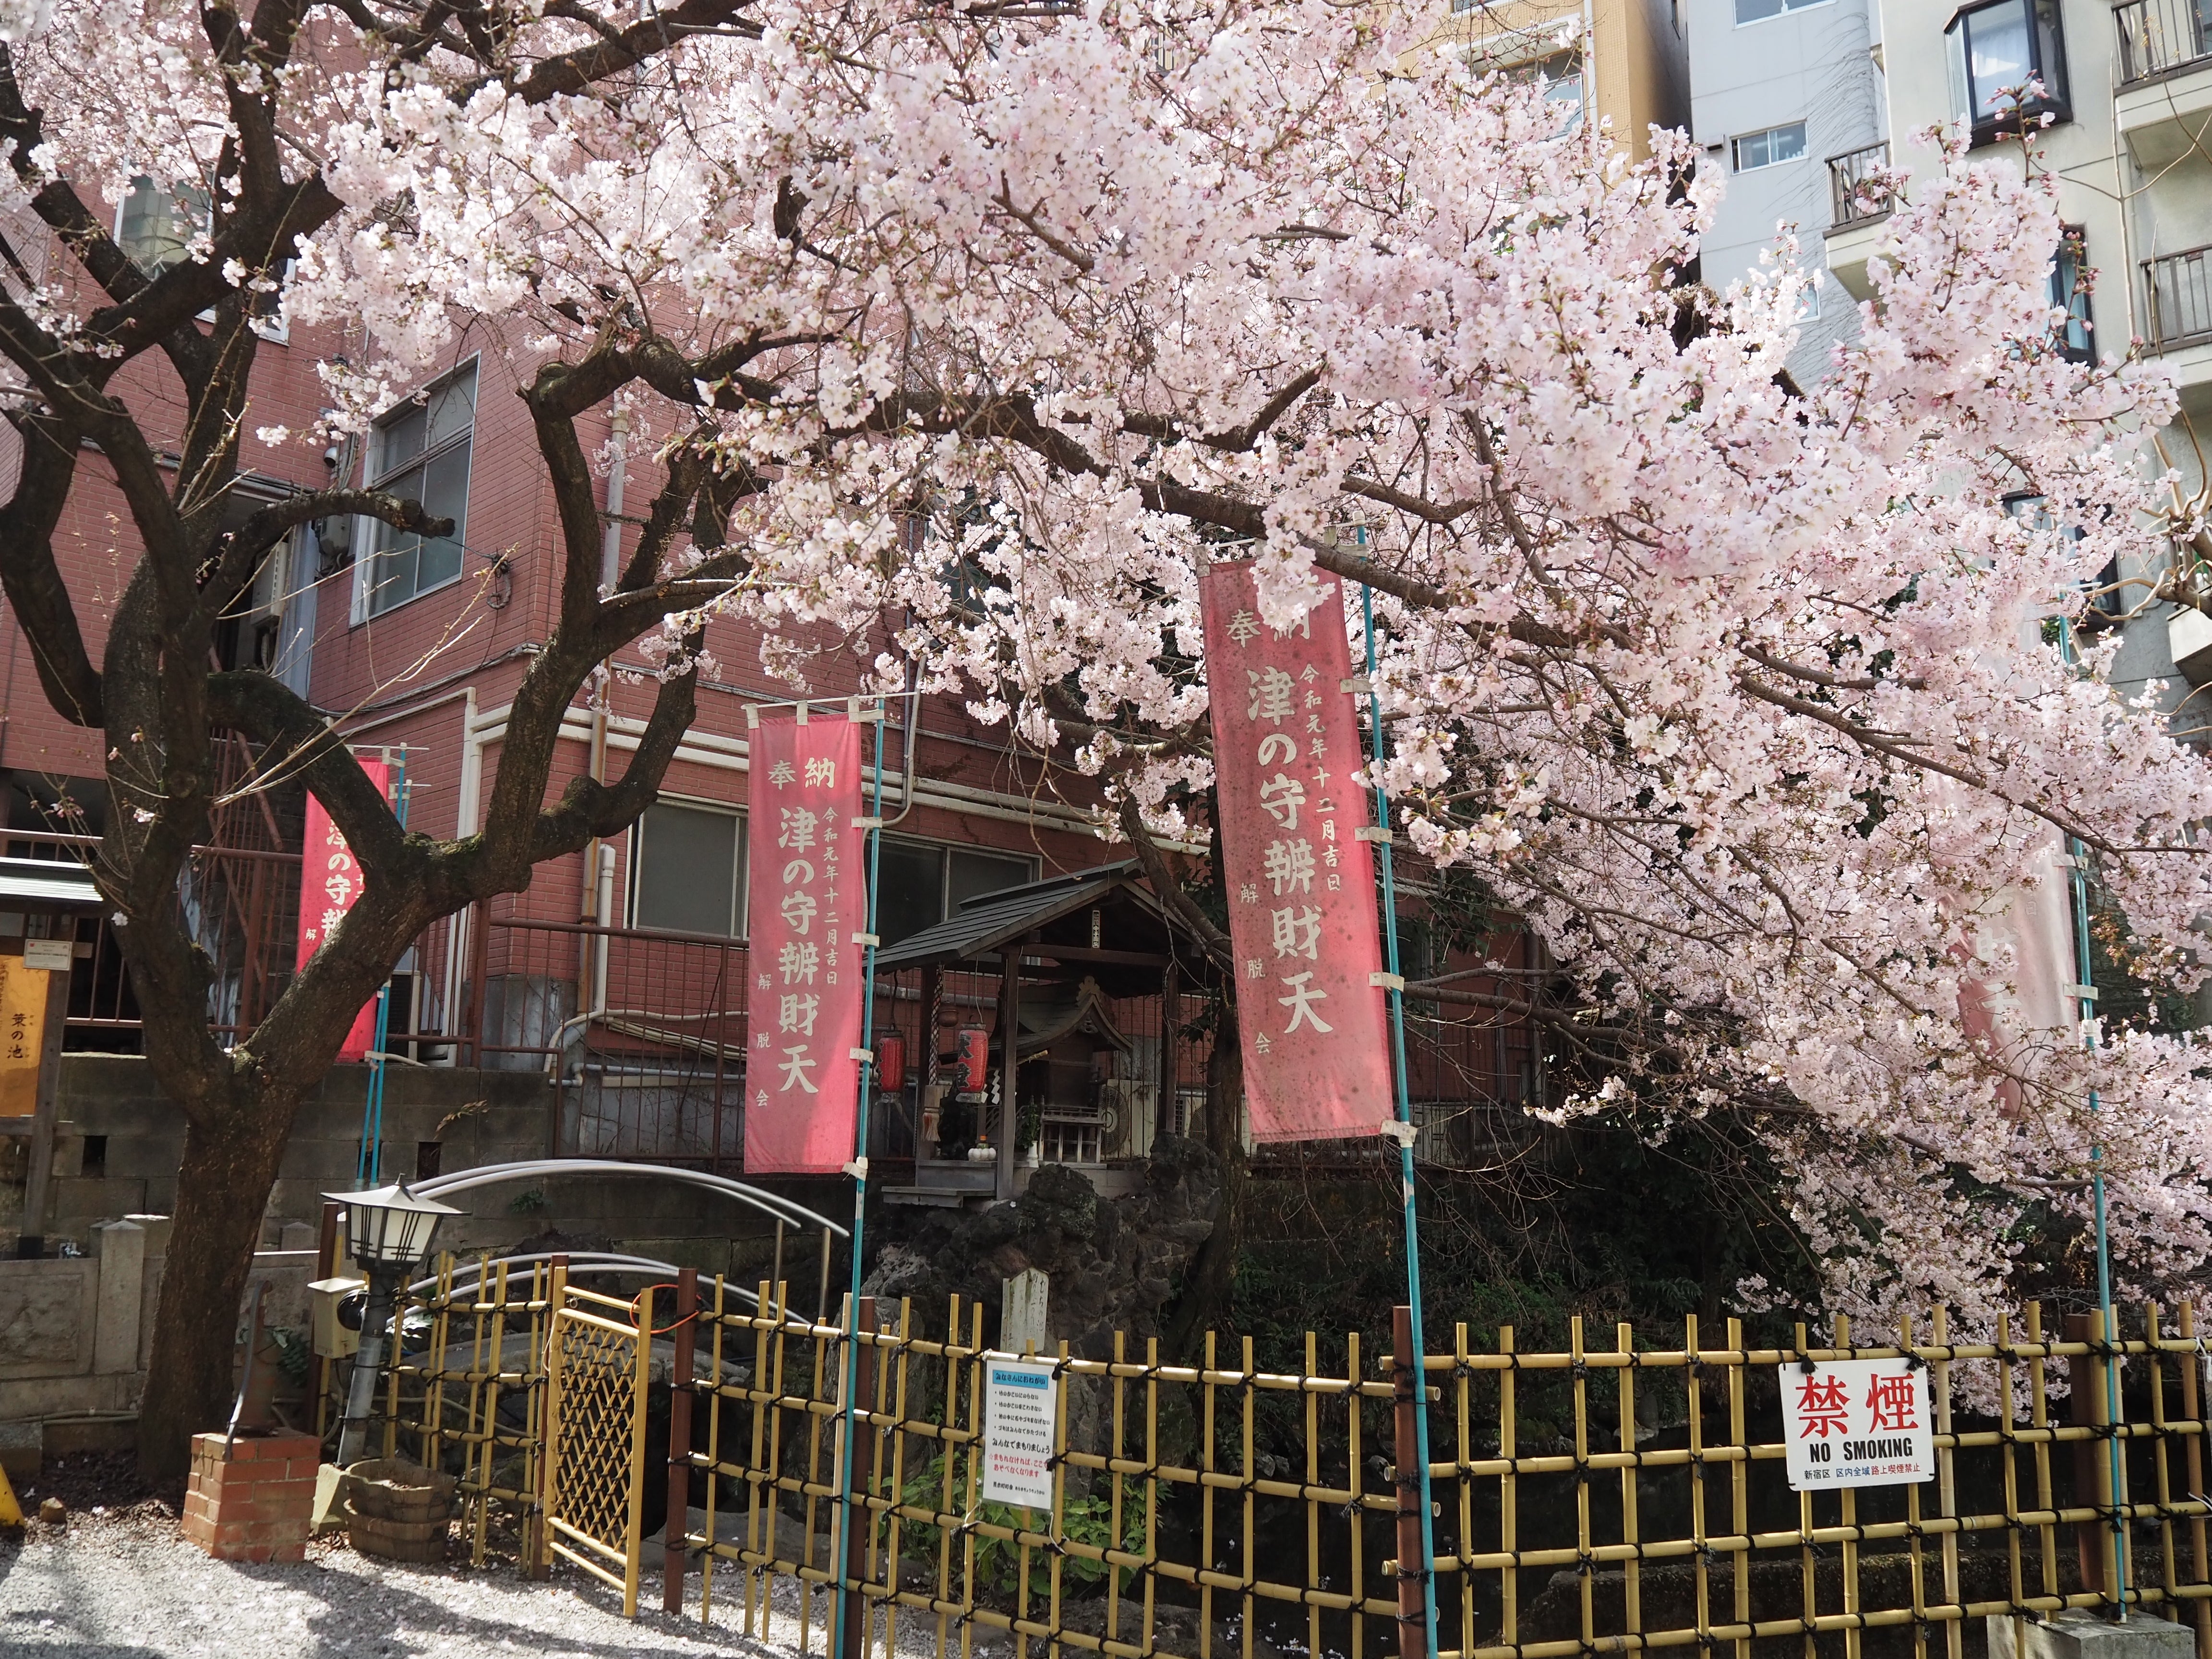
114,1587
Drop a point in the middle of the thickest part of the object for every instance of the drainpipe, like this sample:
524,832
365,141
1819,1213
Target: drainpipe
599,857
1589,78
912,724
606,908
611,556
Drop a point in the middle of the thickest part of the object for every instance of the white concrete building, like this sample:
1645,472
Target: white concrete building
1795,98
1779,88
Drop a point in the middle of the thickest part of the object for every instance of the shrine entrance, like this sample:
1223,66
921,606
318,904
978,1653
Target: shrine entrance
1105,994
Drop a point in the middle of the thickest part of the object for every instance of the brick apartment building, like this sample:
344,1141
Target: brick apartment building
620,976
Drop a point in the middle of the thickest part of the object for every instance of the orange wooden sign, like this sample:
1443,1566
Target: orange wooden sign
23,1035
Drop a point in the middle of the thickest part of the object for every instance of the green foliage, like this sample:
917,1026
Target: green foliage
1592,1223
1086,1520
295,1354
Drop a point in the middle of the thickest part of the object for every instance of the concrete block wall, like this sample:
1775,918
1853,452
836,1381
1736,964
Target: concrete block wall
119,1141
77,1334
109,1106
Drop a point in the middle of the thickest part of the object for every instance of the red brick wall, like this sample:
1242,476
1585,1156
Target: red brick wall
402,679
256,1504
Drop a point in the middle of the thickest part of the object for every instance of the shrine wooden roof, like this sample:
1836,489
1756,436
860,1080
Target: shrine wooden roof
1052,919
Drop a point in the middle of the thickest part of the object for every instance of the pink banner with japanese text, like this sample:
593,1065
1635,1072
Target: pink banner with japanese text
329,884
806,896
1312,1021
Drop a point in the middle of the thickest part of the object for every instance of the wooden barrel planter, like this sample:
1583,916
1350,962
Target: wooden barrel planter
399,1510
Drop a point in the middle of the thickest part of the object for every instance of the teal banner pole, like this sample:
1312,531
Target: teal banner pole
849,1426
2085,1007
1397,993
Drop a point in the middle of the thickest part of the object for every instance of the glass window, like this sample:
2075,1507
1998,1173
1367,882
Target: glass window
421,453
156,226
154,229
687,874
2069,292
1770,147
920,883
975,873
1560,77
1757,11
1995,51
909,888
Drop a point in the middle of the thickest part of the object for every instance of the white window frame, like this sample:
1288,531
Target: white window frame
1790,9
1088,1134
1737,140
274,328
741,897
365,528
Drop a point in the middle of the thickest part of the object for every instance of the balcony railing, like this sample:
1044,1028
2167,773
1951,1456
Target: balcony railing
240,905
2159,36
2178,299
1851,199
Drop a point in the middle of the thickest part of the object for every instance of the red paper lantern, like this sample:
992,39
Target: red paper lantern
890,1060
974,1060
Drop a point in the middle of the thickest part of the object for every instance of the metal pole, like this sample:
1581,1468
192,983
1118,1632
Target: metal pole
848,1434
367,1363
2085,1008
678,1506
1397,991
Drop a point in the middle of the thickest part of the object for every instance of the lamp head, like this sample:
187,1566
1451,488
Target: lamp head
391,1227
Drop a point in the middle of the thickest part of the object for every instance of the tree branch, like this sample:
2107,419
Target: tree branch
1168,891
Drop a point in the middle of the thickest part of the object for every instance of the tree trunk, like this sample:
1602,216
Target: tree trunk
222,1193
1213,1272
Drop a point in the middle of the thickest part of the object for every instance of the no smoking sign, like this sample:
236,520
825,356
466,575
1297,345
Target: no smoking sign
1857,1423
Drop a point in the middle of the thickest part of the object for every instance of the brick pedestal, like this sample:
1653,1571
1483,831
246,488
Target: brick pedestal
256,1504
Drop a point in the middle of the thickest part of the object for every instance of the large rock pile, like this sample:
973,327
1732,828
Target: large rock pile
1114,1262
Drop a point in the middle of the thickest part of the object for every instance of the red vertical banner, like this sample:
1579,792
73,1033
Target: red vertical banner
806,897
329,884
1311,1017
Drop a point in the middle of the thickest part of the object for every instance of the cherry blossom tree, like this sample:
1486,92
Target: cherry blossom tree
1740,695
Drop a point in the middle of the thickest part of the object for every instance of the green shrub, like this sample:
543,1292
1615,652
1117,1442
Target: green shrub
998,1561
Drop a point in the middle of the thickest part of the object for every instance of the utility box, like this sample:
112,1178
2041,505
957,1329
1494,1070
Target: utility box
2189,641
332,1338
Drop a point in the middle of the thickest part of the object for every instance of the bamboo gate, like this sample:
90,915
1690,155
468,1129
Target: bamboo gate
1599,1499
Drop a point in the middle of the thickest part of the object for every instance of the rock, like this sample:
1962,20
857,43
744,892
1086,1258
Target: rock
53,1512
1114,1263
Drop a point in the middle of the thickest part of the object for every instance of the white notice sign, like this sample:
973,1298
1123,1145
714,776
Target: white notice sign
56,955
1021,1403
1857,1423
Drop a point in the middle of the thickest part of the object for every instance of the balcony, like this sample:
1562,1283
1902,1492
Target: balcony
2176,310
2165,78
1858,201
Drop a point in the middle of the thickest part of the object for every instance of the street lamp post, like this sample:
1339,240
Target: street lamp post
390,1231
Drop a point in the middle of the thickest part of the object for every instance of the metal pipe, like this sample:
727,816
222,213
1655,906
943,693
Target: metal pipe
610,555
367,1363
592,970
537,1169
605,909
913,723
